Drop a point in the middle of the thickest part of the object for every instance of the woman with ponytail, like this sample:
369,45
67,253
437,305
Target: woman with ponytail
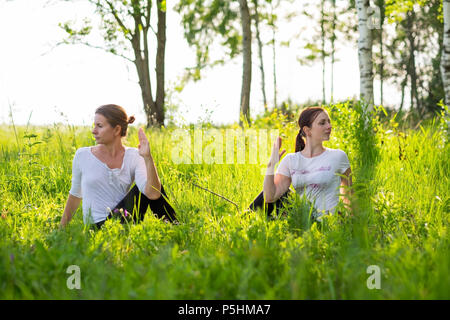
313,170
103,174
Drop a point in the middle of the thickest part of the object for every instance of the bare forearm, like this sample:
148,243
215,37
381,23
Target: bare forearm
269,188
70,208
153,185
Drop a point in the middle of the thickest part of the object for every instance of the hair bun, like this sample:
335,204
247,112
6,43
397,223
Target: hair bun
131,119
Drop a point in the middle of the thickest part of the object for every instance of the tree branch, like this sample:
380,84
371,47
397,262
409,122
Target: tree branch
218,195
149,11
153,30
119,21
88,45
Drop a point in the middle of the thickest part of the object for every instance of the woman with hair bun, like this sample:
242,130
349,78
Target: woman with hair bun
103,174
313,170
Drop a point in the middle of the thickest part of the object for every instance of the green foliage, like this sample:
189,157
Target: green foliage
415,20
328,26
118,21
397,9
399,221
208,21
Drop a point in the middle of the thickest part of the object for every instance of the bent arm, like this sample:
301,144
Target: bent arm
153,185
275,187
152,189
71,206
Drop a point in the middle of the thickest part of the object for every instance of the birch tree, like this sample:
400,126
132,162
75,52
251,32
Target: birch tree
365,53
333,47
445,58
380,4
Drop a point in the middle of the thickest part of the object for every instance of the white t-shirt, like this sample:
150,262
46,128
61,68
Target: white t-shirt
316,177
101,187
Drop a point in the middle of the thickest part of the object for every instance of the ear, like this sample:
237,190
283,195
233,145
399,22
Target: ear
307,130
117,130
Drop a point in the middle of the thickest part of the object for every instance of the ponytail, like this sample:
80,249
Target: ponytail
299,142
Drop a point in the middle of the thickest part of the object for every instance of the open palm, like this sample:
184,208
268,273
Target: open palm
144,146
276,155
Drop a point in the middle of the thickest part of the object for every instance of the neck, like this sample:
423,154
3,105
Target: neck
313,148
113,149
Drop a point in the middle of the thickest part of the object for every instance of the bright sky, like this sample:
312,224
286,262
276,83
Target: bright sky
75,79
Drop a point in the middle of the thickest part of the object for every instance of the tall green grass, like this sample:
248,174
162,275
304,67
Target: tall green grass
398,221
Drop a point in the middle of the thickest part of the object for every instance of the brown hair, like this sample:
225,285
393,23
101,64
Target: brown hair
307,117
116,115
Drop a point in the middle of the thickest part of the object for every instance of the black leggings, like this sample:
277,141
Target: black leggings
259,200
160,207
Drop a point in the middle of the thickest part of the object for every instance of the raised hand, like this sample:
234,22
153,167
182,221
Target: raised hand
275,156
144,146
279,146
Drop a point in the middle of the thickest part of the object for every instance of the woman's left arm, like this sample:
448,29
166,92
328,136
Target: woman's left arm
153,185
346,188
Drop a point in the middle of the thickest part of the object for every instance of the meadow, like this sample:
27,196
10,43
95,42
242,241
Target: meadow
398,221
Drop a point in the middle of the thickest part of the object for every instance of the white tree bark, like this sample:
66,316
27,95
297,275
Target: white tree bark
365,53
445,58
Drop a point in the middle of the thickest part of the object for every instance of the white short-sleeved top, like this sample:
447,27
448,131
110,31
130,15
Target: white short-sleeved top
101,187
316,177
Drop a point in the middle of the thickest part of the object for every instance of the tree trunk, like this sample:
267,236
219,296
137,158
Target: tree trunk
445,58
247,61
412,61
365,54
142,67
274,56
333,49
382,14
322,38
403,84
274,71
146,92
260,54
154,109
160,62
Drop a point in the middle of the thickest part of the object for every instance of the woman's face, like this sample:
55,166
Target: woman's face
321,127
102,131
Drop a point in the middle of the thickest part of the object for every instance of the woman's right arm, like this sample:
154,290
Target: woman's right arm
71,206
73,201
275,187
